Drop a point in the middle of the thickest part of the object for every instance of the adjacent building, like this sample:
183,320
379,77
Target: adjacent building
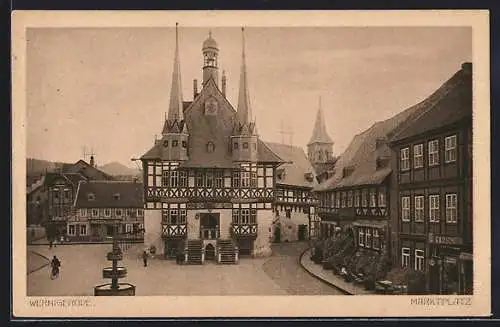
209,181
50,199
294,202
432,188
355,200
103,209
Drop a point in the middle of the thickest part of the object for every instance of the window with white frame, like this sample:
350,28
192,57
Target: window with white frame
405,159
349,199
419,259
450,148
418,155
357,199
344,199
433,152
434,208
140,212
107,212
364,198
128,212
381,198
405,208
368,238
164,178
82,212
129,228
419,208
337,199
361,237
83,230
174,178
451,208
373,198
71,230
405,257
118,212
376,239
95,212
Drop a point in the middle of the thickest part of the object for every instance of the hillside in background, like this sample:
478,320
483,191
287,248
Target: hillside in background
37,166
118,169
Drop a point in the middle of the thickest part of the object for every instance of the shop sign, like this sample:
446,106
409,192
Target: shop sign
444,239
450,260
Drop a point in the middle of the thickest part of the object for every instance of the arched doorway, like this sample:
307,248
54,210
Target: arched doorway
209,252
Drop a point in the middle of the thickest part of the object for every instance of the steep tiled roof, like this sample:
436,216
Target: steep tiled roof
320,134
207,128
130,194
361,155
86,170
451,103
296,167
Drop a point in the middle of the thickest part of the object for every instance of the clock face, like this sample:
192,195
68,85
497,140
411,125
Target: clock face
211,106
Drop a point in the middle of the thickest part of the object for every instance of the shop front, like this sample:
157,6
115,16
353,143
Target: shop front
450,267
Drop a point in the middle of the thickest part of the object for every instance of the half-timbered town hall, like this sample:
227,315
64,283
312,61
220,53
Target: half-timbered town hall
209,180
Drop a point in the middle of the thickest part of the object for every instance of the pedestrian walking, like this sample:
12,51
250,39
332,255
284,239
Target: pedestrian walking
145,258
55,264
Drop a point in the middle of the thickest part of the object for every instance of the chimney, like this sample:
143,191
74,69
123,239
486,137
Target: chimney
467,67
195,88
92,161
224,83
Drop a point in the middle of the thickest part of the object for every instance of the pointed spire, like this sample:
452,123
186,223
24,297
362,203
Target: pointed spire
243,111
175,107
319,134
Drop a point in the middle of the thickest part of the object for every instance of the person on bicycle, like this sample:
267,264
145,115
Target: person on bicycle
55,264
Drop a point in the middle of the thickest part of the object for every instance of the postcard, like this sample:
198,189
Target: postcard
250,164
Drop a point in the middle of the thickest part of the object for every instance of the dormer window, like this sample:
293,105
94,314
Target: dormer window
347,171
116,196
308,177
91,196
210,147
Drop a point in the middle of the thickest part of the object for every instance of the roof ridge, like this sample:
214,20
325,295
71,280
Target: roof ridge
428,103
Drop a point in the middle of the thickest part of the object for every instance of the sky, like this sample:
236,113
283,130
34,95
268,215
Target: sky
108,88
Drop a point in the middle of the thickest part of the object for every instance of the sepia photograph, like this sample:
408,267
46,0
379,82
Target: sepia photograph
251,164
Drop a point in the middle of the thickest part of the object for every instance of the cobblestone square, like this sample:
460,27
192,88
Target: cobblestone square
82,265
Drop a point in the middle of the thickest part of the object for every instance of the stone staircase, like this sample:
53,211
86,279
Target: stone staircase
194,250
227,251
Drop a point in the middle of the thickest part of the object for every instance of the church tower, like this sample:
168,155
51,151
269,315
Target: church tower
244,138
210,51
175,134
320,146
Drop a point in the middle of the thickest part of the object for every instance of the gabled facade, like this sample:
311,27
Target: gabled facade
294,204
50,200
103,209
209,182
355,200
432,194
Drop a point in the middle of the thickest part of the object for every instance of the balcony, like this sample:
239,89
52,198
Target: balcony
244,230
174,231
207,194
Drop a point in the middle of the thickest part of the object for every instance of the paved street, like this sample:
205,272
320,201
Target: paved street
283,267
82,266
